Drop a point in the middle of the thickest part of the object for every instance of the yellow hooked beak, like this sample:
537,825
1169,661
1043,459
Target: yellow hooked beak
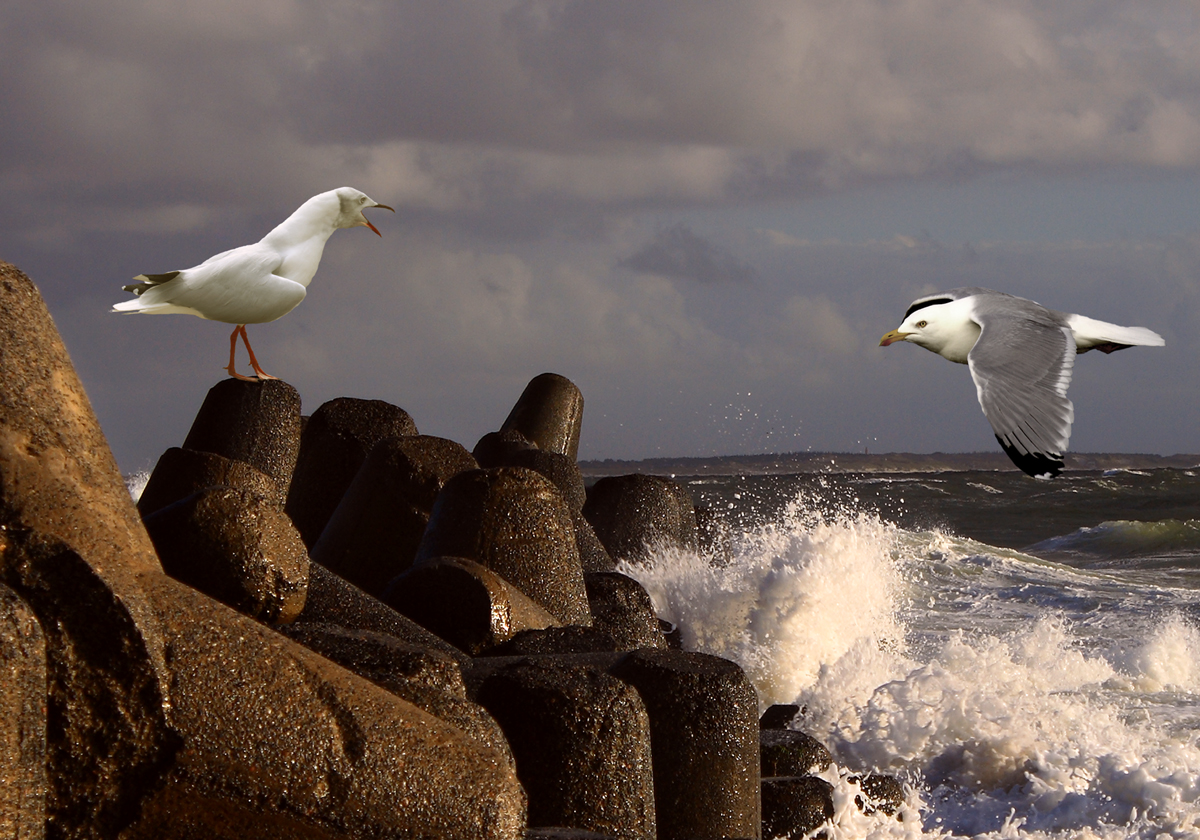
892,337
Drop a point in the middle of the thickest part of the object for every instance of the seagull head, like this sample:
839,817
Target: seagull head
940,324
352,203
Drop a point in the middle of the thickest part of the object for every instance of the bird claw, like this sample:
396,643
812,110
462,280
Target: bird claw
237,375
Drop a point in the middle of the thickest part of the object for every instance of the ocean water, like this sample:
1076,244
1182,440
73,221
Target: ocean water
1023,654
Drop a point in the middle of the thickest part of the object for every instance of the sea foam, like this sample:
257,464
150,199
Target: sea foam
1002,718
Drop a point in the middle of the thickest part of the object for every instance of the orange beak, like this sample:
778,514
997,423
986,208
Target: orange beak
367,221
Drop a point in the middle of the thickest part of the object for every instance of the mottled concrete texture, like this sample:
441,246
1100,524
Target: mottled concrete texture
236,546
704,733
169,714
786,752
622,608
633,514
795,806
514,522
255,422
549,413
333,600
374,533
582,743
334,444
22,720
465,603
181,472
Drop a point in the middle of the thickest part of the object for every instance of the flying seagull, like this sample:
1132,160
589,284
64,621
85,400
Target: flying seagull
255,283
1020,354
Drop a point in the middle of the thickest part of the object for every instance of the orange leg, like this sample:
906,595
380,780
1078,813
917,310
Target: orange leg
258,371
240,329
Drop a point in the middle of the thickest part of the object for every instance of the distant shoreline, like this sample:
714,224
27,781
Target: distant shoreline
855,462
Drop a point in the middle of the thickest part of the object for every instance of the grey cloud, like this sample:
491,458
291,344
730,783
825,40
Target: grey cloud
678,252
526,145
567,102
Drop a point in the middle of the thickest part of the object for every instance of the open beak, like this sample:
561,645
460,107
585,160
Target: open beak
892,337
371,226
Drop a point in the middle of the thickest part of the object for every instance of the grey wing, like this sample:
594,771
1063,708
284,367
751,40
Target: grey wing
1022,368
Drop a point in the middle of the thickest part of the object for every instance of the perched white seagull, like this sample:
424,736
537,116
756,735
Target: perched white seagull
255,283
1020,354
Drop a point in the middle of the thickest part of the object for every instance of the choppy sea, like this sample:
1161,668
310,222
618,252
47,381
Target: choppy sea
1023,654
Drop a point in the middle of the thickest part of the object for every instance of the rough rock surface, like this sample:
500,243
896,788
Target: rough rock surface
373,535
181,472
514,522
581,739
168,713
622,608
633,514
795,806
22,720
255,422
570,639
334,444
549,413
235,546
333,600
704,734
428,679
786,752
465,603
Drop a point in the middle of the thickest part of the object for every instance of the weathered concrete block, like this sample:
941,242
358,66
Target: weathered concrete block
170,715
778,716
513,521
333,446
428,679
582,744
256,422
465,603
559,468
593,556
495,449
622,608
795,806
704,734
181,472
22,720
550,413
635,513
373,535
334,600
278,742
786,752
555,640
237,547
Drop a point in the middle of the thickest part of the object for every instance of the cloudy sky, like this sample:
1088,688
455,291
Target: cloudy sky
703,213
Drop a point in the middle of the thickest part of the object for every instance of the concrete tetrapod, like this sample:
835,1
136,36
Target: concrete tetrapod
22,720
333,446
168,713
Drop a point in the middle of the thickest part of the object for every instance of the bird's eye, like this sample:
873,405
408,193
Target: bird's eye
921,323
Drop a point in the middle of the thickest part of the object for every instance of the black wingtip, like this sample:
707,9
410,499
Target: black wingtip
1038,464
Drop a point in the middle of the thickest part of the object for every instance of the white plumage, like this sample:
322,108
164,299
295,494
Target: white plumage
1021,355
255,283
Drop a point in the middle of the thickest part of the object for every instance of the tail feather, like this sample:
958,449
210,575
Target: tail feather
1101,335
149,281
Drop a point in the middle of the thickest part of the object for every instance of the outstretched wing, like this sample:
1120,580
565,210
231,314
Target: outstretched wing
1021,365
